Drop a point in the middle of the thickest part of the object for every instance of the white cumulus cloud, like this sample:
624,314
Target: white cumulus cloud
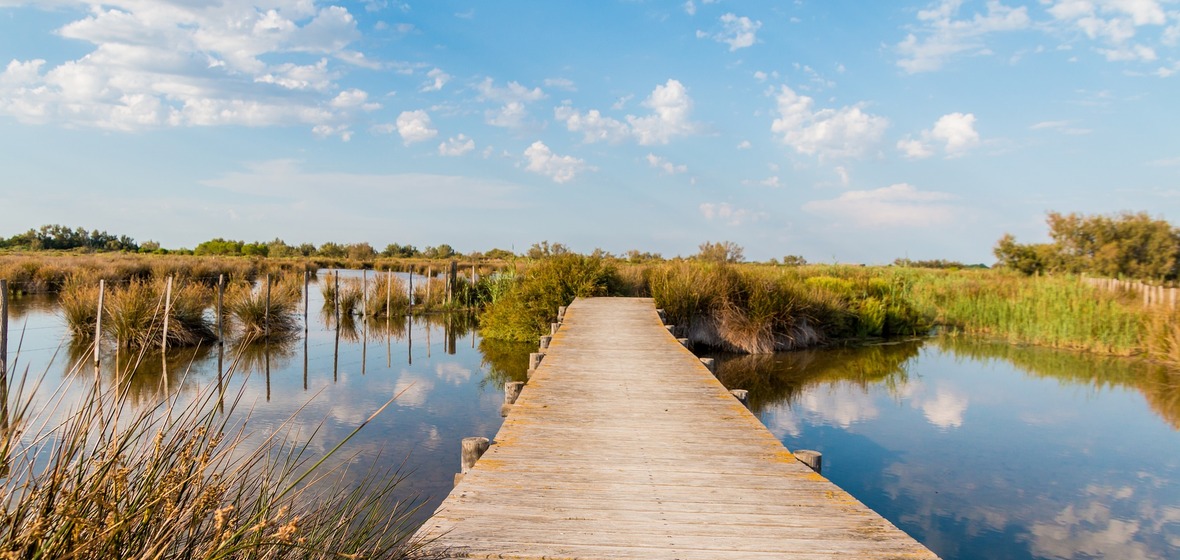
513,99
415,126
738,32
900,205
167,64
954,133
940,36
670,107
541,160
827,133
456,146
438,79
666,167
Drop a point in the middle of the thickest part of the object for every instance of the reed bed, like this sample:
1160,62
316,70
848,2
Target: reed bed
133,314
50,272
387,297
263,316
1055,311
114,480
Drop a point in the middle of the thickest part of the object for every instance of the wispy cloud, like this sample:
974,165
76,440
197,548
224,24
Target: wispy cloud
900,205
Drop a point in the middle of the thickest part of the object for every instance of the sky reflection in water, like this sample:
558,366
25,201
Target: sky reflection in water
983,450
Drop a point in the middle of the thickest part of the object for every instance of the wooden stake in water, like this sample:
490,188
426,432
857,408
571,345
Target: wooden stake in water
429,275
266,319
98,322
4,428
167,312
336,348
306,281
4,355
220,313
388,294
411,292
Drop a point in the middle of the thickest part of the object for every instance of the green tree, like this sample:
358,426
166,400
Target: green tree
400,251
721,252
544,250
332,250
361,251
499,255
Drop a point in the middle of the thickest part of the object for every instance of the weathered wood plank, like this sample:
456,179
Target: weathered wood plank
624,445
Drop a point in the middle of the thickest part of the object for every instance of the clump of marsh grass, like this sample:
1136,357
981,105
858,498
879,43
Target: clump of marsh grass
79,306
134,314
348,298
525,311
263,320
387,297
114,480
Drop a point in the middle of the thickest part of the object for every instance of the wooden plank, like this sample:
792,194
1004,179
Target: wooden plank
624,445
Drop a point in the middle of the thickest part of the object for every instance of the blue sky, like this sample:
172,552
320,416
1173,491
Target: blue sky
837,130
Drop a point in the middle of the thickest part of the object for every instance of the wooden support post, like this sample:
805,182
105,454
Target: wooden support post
411,288
4,345
535,359
511,393
741,395
429,274
710,364
663,315
452,277
553,328
671,329
813,459
219,314
266,318
683,342
4,426
388,293
306,282
472,449
102,288
167,312
545,340
561,314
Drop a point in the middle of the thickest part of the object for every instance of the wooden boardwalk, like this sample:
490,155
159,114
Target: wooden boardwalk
623,445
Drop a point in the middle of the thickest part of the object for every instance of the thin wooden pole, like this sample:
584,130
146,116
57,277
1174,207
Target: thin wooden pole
167,311
220,310
388,294
266,321
429,274
411,288
364,320
4,365
336,349
98,322
306,281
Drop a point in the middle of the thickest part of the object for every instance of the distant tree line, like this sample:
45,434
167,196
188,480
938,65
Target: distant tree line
62,238
1123,245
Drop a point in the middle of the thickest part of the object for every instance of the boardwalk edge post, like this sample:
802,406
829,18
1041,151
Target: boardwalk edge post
741,395
511,393
710,364
472,449
813,459
545,340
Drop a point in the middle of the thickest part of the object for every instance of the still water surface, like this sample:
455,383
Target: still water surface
977,450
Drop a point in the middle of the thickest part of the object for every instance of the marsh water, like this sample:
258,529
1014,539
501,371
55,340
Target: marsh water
978,450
